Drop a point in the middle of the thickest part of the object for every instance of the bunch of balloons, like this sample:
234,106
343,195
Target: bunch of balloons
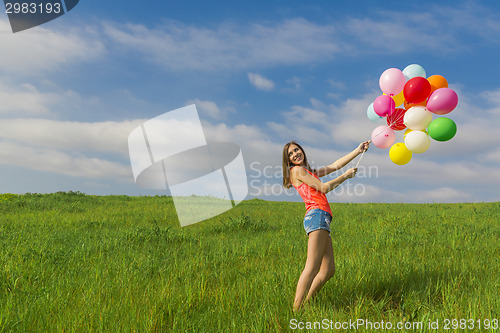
409,102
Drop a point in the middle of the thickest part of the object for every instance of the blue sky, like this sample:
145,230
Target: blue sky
261,74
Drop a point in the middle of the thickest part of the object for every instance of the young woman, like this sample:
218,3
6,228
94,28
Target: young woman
320,264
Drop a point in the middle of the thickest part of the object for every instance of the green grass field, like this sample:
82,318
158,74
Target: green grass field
77,263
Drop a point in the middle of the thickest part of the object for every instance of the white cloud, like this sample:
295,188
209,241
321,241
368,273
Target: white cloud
439,28
337,85
108,136
306,115
330,124
26,99
50,145
211,109
239,133
55,161
231,46
206,107
493,156
280,130
41,49
493,99
443,194
178,46
260,82
354,190
295,82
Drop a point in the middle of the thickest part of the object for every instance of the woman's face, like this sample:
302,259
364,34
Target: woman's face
295,154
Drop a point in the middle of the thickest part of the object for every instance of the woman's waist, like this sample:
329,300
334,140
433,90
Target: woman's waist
312,211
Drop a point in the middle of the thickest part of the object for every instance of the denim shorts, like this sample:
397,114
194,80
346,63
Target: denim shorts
317,219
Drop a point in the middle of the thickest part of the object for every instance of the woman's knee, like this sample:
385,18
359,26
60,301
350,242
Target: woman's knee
326,274
311,269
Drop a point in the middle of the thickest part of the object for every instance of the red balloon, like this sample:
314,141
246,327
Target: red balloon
417,89
396,119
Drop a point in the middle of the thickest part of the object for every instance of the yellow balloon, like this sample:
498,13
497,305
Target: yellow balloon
399,154
398,99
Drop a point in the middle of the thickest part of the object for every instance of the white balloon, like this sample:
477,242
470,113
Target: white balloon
410,130
417,141
417,118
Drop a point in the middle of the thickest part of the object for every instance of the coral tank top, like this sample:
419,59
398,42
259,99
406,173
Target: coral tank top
313,198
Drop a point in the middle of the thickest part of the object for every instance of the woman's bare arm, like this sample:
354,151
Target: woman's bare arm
341,162
302,175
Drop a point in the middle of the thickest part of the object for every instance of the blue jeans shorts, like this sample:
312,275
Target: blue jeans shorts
317,219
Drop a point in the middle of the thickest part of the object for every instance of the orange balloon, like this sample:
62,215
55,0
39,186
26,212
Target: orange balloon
410,105
437,81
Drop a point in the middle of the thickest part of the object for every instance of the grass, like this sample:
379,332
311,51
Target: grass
77,263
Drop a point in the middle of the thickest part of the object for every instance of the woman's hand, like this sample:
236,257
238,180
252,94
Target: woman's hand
351,173
363,146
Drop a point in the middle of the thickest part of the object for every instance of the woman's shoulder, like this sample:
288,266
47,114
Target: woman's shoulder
300,170
296,170
296,173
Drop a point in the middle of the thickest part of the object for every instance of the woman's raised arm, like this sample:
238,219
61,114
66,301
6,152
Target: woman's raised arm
341,162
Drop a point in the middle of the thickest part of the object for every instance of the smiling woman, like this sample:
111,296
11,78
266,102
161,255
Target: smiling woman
320,263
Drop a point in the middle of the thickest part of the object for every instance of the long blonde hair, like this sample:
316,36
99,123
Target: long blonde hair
287,164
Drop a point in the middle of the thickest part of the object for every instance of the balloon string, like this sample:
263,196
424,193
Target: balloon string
360,158
394,122
401,116
362,154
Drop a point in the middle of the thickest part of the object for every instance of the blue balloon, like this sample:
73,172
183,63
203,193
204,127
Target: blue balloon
370,112
413,70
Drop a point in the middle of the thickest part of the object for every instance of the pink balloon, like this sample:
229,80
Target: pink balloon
442,101
384,105
392,81
383,137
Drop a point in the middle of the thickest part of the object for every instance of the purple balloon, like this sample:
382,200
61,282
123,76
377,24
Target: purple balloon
384,105
442,101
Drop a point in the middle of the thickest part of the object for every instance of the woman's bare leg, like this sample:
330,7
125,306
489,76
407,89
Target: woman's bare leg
326,271
318,242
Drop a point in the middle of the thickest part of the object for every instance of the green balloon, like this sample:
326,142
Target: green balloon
442,129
